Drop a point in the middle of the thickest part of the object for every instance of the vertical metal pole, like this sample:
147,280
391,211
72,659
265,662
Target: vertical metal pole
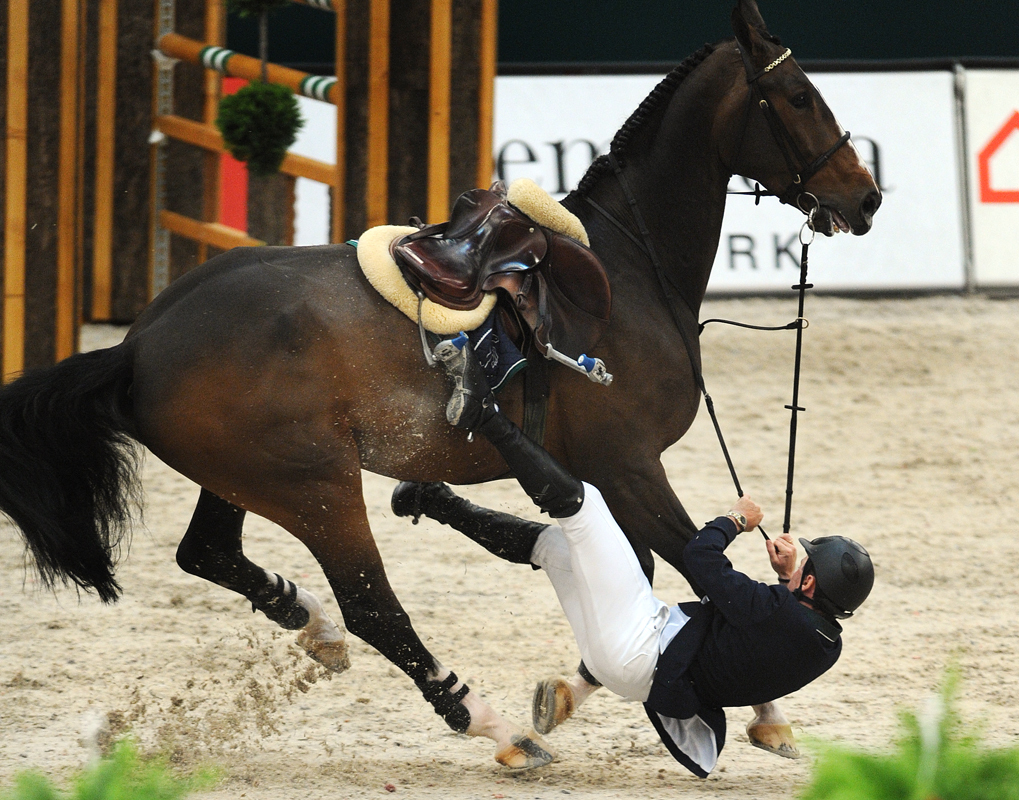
162,102
964,177
15,197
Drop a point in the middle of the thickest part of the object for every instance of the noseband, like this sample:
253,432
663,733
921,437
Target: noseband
800,167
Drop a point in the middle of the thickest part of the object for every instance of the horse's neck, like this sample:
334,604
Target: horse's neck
681,198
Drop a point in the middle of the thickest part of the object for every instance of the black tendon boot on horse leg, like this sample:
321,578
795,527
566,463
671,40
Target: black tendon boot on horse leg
512,539
504,535
211,549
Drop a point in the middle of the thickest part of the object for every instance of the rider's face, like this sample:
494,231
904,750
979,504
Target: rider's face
797,577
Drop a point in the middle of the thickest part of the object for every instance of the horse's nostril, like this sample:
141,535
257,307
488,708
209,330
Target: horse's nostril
870,203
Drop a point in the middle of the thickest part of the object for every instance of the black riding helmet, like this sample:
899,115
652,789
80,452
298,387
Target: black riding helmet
843,571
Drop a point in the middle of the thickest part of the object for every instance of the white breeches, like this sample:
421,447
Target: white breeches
616,620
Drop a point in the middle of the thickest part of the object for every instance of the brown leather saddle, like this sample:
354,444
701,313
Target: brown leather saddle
554,290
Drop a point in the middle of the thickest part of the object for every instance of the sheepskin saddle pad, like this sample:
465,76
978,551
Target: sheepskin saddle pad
517,240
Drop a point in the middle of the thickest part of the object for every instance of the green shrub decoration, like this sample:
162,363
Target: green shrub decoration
933,761
124,775
255,8
259,123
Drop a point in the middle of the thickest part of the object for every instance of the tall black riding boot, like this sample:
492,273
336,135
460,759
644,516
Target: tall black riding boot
472,408
509,537
547,482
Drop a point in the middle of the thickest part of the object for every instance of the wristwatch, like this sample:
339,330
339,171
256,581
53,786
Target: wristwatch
739,519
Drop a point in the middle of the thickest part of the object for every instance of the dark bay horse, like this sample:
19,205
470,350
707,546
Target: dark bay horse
272,376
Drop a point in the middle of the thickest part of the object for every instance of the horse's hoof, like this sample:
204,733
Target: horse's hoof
331,655
526,751
775,738
552,705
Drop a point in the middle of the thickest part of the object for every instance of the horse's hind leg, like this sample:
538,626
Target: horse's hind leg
212,549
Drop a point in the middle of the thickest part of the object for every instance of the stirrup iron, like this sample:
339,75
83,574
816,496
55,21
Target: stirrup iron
593,368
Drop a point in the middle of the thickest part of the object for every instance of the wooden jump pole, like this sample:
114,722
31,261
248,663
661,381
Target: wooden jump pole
209,138
15,196
237,65
440,76
106,115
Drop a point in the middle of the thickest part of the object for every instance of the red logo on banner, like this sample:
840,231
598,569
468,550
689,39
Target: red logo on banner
987,194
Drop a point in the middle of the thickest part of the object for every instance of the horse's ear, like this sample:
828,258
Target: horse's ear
749,27
751,15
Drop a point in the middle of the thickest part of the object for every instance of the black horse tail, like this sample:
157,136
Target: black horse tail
68,466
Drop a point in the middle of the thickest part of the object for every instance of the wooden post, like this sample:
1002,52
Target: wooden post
337,228
378,114
3,171
42,207
129,88
16,158
185,171
486,89
215,24
440,70
69,168
106,117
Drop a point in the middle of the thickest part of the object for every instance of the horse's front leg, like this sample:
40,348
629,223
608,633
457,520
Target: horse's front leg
653,519
331,521
636,497
212,549
771,731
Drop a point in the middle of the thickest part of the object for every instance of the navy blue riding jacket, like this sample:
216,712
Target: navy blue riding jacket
747,643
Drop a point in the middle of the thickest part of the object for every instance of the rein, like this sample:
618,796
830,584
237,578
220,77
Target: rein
798,324
802,171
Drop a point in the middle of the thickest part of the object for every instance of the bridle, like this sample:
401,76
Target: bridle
800,167
802,170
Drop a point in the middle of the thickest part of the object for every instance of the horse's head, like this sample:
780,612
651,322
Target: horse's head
778,130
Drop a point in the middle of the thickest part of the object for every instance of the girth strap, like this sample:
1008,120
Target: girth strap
536,391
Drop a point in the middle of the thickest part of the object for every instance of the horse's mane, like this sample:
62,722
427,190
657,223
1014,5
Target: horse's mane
653,103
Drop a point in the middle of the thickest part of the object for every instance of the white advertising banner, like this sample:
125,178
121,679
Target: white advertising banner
316,139
992,141
549,129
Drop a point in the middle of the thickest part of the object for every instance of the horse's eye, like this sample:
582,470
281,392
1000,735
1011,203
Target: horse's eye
802,100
